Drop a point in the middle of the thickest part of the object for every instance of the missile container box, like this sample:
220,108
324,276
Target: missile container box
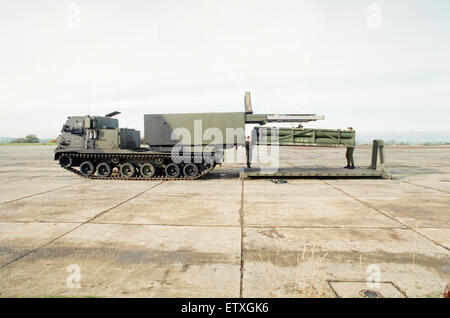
304,137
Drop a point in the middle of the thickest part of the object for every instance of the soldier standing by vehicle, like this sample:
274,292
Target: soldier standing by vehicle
349,154
248,151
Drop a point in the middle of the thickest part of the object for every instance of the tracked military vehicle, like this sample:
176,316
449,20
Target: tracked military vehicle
95,146
101,150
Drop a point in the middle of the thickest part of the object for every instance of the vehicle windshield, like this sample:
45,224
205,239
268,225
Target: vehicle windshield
74,125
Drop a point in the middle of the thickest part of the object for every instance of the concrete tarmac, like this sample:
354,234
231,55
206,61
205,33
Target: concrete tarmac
62,235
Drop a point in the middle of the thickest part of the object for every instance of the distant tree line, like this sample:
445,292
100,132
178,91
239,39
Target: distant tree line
30,139
405,143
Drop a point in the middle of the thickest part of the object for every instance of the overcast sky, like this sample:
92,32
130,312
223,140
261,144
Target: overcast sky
374,65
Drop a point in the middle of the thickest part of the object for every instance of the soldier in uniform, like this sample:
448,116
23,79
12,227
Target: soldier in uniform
349,154
248,151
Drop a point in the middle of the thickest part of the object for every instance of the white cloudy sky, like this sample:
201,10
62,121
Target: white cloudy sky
295,56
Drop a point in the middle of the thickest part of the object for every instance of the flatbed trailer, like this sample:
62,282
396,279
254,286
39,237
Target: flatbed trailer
373,171
315,172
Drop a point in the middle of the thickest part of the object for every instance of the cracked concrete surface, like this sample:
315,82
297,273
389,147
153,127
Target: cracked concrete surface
223,237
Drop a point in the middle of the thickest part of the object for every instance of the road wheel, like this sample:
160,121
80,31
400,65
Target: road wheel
87,168
172,170
104,170
127,170
65,161
190,170
148,170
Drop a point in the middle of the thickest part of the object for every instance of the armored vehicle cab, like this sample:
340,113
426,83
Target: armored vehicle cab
96,132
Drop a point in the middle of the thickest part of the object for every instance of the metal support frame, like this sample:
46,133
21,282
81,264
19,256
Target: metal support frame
324,172
378,148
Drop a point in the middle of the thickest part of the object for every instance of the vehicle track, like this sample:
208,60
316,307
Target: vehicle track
205,167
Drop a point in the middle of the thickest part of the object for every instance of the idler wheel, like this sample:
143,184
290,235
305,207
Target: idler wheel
127,170
87,168
190,170
65,161
172,170
148,170
104,170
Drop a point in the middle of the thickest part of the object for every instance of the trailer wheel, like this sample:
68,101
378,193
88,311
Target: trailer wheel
127,170
104,169
190,170
148,170
87,168
173,170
